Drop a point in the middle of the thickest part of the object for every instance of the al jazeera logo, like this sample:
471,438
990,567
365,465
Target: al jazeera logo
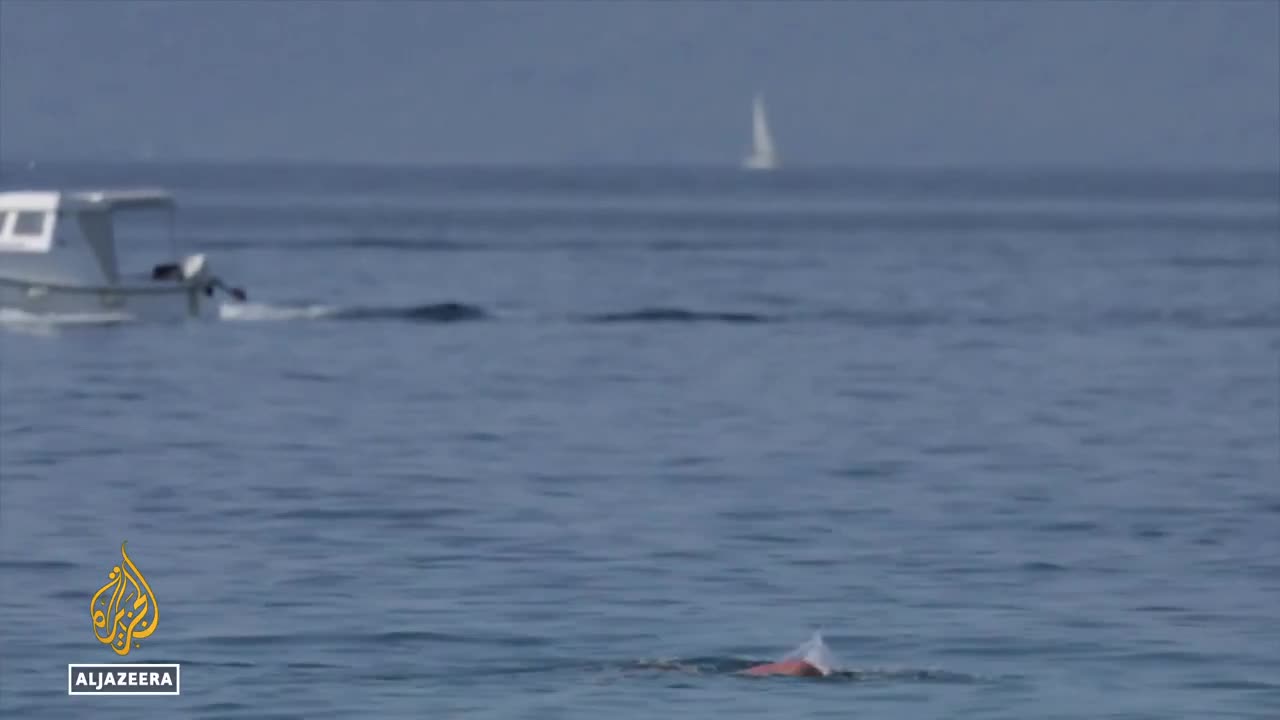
124,613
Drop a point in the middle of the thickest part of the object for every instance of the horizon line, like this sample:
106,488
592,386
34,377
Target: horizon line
10,162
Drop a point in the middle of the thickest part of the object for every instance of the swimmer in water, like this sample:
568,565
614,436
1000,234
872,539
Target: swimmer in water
793,668
811,659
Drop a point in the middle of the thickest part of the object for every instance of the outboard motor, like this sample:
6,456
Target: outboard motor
195,270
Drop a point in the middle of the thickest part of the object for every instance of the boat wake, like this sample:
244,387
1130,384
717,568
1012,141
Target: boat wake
449,312
426,313
677,315
22,320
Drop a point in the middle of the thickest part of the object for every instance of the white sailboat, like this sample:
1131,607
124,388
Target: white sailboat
763,155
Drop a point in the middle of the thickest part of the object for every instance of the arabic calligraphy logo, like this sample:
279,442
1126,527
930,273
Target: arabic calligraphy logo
124,610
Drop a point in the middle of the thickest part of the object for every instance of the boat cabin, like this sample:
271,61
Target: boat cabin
69,237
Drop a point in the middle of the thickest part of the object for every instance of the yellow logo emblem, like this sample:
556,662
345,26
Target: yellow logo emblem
124,610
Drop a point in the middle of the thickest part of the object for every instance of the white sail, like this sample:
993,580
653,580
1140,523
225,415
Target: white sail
763,155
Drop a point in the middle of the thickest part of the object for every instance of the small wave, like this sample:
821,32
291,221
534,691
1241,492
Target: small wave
678,315
436,312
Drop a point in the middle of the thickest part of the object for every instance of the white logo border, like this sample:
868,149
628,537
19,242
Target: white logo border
177,677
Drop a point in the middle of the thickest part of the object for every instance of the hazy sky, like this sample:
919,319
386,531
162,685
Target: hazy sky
920,83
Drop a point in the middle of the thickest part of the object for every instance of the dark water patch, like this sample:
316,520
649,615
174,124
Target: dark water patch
888,318
818,562
1160,609
378,639
703,245
321,578
1014,647
694,665
883,469
20,430
765,538
1190,318
961,449
412,637
306,376
284,493
480,437
684,554
1041,566
390,676
223,707
688,461
1231,685
104,394
678,315
1161,657
923,675
864,394
285,603
248,641
1223,262
1092,623
448,312
591,242
1069,526
755,516
376,513
364,244
440,558
414,244
175,508
37,565
1149,533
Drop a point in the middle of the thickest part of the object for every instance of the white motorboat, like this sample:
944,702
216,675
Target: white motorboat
58,256
764,156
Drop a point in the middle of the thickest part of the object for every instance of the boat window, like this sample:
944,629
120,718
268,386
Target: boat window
4,216
28,223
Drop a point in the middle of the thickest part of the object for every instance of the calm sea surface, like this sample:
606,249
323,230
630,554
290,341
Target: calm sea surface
579,443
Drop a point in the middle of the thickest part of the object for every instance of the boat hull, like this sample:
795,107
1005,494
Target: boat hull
128,302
